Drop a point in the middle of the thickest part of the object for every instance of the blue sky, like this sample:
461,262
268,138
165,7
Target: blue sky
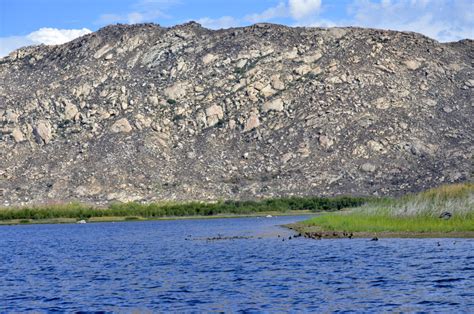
26,22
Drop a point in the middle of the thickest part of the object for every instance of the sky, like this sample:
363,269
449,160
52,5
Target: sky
51,22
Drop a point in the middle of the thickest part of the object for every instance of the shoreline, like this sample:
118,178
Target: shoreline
113,219
315,232
446,211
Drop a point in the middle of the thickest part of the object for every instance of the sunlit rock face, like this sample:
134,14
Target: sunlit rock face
147,113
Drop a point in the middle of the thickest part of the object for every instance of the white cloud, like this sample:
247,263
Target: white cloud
8,44
320,23
141,11
136,17
54,36
281,10
110,18
444,20
46,35
218,23
131,18
298,10
301,9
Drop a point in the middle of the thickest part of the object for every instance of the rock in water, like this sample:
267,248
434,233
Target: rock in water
146,113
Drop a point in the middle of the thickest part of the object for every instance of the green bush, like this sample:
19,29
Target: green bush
155,210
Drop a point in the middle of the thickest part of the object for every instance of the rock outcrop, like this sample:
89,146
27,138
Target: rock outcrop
146,113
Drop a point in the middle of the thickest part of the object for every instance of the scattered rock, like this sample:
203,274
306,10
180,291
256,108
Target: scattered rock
102,51
214,114
209,58
412,64
43,132
325,141
368,167
121,126
70,111
303,69
447,109
176,91
18,135
376,146
277,83
382,103
275,105
241,63
252,122
313,57
286,157
267,91
469,83
11,116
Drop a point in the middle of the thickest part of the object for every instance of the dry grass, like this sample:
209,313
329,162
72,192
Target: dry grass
457,199
412,213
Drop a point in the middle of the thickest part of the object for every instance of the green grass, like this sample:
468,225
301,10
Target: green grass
380,223
411,213
176,209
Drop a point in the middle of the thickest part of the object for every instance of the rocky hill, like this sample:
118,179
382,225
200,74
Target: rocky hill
143,112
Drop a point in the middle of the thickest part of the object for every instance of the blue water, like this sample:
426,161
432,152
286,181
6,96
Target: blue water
170,266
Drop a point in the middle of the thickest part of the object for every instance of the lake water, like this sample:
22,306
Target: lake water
122,267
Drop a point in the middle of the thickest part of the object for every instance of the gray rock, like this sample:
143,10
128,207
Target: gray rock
18,135
209,58
70,111
368,167
275,105
325,141
469,83
176,91
252,122
43,132
214,114
412,64
121,126
303,69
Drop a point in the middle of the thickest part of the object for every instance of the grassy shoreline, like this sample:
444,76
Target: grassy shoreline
418,215
73,212
142,219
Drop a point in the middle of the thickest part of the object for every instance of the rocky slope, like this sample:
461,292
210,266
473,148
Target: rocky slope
143,112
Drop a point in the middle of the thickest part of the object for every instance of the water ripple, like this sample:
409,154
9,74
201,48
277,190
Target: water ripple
152,266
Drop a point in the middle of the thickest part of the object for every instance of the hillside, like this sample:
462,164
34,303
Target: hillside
143,112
